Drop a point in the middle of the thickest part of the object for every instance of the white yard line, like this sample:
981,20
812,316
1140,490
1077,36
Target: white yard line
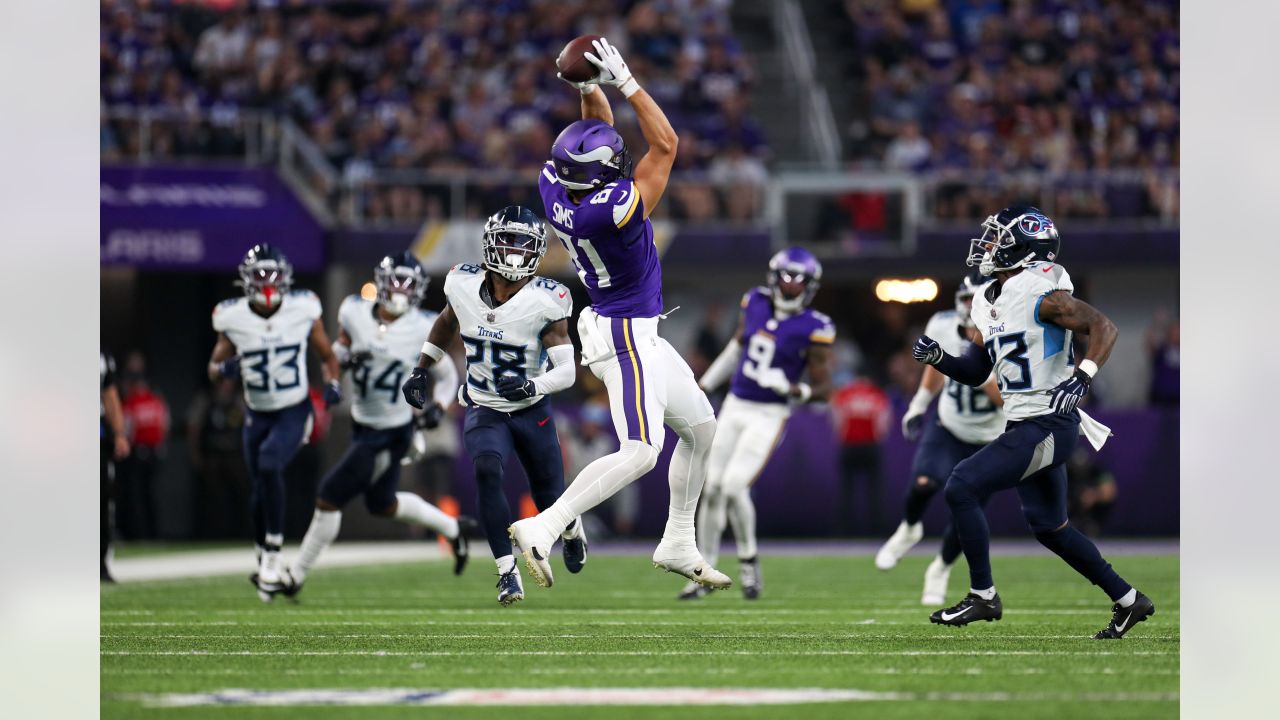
611,636
613,653
209,563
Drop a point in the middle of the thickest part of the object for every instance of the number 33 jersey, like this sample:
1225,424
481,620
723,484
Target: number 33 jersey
377,402
272,350
772,345
1031,357
503,340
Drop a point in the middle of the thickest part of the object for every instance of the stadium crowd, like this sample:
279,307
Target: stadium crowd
435,86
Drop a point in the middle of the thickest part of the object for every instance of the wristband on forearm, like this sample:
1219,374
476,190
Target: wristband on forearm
431,351
1088,367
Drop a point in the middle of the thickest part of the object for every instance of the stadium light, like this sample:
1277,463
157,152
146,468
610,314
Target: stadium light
369,291
906,291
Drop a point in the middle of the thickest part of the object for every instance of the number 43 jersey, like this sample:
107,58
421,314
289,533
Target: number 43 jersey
272,350
1031,357
503,340
377,402
772,345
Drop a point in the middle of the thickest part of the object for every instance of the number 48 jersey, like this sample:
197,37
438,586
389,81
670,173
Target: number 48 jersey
773,344
272,350
1031,357
964,411
394,346
503,340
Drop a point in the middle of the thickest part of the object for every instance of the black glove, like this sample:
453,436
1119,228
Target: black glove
230,368
911,425
515,389
356,359
417,387
430,418
332,393
926,350
1068,394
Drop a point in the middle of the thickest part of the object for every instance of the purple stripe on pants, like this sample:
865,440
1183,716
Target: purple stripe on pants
632,379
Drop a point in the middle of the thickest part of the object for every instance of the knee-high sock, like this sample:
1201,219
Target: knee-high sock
742,515
712,516
971,527
599,481
950,545
918,497
1082,555
320,535
413,510
687,475
495,511
271,484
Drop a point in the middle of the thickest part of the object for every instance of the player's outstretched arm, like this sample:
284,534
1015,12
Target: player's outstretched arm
931,382
654,169
419,385
1064,310
723,367
595,106
973,368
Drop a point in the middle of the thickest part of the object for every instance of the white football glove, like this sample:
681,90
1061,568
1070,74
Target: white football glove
613,69
586,87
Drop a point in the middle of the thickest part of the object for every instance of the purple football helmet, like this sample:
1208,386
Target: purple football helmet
794,276
589,154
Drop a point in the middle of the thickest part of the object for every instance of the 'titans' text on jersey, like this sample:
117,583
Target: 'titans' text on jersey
966,411
611,243
1031,357
771,342
503,340
394,347
272,350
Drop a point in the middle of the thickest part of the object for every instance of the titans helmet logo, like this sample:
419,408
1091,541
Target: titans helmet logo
1033,224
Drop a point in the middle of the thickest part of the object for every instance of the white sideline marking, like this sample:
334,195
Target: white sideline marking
208,563
764,612
601,696
612,653
611,636
416,669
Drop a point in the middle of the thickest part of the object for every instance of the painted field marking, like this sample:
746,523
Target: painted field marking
680,696
707,615
417,669
614,653
611,636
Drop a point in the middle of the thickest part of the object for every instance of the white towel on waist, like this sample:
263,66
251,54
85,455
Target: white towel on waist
1095,432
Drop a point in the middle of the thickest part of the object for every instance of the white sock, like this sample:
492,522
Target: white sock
320,535
573,531
711,522
943,564
686,477
742,515
412,509
274,540
985,594
598,482
506,564
1128,598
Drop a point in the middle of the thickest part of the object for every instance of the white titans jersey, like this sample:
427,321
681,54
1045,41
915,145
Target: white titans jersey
1031,356
272,350
506,340
395,346
964,411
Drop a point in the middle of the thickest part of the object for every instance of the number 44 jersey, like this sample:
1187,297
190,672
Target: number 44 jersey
394,346
1031,357
272,350
774,345
503,340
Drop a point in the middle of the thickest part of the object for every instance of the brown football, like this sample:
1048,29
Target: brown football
572,63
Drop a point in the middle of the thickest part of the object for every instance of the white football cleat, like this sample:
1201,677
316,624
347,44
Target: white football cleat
902,540
684,559
535,544
935,583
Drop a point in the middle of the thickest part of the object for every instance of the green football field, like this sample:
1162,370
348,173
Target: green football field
825,622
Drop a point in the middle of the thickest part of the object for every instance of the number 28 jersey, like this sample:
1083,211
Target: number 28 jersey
377,401
611,243
1031,357
772,343
272,350
964,411
503,340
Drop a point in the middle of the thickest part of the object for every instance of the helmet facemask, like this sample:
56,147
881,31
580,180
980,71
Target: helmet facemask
400,287
513,249
792,288
984,252
266,282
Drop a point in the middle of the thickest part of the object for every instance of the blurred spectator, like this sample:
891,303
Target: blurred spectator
1091,492
1163,338
862,416
215,423
146,416
709,339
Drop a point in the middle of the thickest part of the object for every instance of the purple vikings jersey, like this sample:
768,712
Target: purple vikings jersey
771,343
611,243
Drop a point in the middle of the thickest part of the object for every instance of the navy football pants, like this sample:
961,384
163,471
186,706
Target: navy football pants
271,439
370,466
1031,456
492,436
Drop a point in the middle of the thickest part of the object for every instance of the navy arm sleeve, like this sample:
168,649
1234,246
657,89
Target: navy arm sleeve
973,368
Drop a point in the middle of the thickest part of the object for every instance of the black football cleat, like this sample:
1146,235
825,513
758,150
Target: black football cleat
1124,618
574,549
971,609
752,580
510,589
461,545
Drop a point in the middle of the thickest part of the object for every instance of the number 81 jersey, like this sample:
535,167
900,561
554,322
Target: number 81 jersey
394,347
1031,357
503,340
272,350
772,344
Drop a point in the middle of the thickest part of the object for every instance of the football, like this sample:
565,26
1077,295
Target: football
572,62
